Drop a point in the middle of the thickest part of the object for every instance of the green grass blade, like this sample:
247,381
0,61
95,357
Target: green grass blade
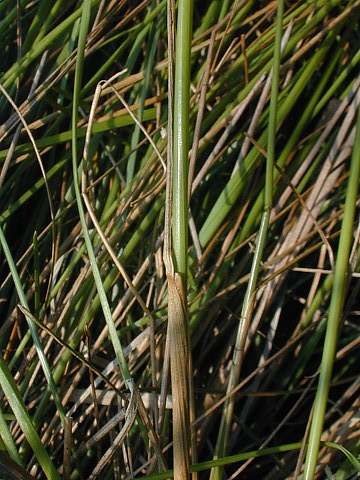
99,127
32,328
8,440
84,25
221,462
335,310
354,461
18,407
38,48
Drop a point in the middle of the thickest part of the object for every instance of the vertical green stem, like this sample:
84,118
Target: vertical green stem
335,309
181,135
178,329
248,303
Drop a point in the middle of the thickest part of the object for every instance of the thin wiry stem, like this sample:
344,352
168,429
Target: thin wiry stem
248,303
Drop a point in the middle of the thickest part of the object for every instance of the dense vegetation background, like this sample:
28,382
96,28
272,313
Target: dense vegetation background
60,382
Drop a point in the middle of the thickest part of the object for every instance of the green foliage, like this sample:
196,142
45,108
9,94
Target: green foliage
82,207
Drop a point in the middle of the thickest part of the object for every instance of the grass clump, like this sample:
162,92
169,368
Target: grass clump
86,218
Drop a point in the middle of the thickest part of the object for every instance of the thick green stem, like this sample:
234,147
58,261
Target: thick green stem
181,135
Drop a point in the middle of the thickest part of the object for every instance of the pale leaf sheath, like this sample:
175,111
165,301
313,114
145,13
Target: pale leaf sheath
179,358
